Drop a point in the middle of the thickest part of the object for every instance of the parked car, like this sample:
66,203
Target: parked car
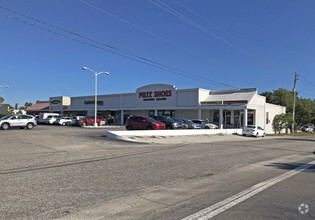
64,121
18,120
204,124
306,128
143,122
253,130
181,123
42,119
76,120
90,120
192,125
51,119
169,122
36,118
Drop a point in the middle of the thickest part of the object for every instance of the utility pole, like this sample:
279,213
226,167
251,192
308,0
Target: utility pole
294,91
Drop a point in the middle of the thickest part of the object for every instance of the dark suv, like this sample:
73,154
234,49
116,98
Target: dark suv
168,121
143,122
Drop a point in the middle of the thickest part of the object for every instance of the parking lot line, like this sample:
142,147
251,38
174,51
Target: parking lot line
220,207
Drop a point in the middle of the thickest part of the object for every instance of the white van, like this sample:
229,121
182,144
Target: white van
43,116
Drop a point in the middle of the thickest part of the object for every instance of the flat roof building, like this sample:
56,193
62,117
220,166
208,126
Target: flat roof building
227,108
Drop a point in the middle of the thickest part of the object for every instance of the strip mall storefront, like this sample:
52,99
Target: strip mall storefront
226,108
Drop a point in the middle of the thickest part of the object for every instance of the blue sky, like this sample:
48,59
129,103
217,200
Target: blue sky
244,44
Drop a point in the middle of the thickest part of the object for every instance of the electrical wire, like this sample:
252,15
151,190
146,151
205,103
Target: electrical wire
202,17
307,82
139,59
172,11
306,93
145,30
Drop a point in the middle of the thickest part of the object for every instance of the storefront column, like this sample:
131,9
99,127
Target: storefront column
245,117
199,113
155,112
122,117
232,117
221,119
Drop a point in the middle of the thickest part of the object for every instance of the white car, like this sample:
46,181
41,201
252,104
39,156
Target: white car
51,119
254,130
64,121
306,128
204,124
17,120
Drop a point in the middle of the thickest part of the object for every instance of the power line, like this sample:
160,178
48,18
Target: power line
309,83
202,17
144,29
142,59
306,93
187,20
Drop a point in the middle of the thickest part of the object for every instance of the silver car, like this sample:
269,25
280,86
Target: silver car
18,120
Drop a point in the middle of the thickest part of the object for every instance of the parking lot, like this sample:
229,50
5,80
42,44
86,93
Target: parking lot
78,173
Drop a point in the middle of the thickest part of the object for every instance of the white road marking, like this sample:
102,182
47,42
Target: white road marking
219,207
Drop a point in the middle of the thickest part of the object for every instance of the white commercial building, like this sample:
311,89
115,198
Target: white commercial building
226,108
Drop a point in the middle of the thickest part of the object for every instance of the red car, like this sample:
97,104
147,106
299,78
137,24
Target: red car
143,122
90,120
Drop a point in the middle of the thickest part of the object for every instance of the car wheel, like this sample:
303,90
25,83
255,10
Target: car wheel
257,135
128,127
63,124
5,126
207,127
244,134
84,124
263,135
149,128
29,126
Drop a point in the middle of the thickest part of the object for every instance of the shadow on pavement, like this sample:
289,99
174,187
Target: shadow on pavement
291,166
296,139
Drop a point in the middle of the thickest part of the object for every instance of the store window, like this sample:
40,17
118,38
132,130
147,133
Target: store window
151,113
216,116
237,121
251,118
168,113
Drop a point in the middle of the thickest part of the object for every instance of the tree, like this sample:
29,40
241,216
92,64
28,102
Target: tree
305,112
1,100
305,108
10,111
26,105
282,121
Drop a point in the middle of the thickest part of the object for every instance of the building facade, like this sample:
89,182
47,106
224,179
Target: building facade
226,108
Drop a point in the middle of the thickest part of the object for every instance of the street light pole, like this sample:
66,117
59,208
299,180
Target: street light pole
95,102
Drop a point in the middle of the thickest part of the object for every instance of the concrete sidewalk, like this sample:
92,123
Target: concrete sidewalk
202,138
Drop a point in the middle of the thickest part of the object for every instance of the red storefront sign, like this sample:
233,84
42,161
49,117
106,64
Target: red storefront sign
151,95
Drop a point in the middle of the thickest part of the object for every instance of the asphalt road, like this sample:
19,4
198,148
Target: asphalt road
74,173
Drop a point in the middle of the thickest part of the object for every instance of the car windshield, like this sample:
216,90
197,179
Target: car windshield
150,119
170,119
6,117
177,120
250,126
187,121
